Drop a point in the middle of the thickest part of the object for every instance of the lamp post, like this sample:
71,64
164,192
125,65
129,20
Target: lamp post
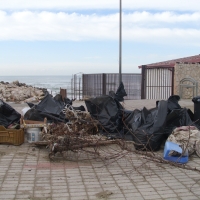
120,41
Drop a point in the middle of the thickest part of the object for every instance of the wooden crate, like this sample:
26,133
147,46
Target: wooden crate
32,124
11,136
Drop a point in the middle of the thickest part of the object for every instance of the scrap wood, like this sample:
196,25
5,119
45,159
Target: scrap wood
40,143
104,194
60,148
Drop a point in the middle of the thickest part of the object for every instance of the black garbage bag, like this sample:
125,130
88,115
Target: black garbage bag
107,111
146,127
49,107
132,119
8,115
120,93
173,102
177,118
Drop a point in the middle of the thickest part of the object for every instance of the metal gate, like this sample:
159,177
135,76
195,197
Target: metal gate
157,82
100,84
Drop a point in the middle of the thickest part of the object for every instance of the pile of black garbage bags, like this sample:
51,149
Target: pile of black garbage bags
50,107
148,128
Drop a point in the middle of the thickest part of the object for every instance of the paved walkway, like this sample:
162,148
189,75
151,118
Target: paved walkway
27,173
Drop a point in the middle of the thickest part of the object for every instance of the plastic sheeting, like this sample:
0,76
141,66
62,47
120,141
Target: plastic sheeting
147,128
8,115
120,93
107,111
49,107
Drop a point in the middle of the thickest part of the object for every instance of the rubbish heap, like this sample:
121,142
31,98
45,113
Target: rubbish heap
107,122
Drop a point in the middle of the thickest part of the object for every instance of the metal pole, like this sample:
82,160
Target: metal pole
74,86
79,88
120,41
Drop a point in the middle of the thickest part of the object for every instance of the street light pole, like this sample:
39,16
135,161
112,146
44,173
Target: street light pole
120,41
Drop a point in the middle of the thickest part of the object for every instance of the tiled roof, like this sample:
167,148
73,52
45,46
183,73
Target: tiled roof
171,63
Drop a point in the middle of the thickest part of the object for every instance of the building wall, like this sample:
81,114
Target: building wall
186,71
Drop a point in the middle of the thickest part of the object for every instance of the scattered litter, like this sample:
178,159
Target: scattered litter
173,152
104,194
186,137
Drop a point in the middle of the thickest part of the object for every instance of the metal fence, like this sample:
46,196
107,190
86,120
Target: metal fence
99,84
157,83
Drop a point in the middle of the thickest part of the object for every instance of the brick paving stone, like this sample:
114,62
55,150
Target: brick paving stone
60,187
137,198
42,195
25,188
54,191
5,192
7,196
79,198
78,193
168,196
23,196
152,197
58,195
189,198
27,174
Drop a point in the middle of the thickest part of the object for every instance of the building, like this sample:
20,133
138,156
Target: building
178,76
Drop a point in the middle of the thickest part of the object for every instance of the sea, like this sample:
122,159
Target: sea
51,83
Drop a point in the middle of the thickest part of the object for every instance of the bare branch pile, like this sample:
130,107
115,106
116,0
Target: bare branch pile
79,133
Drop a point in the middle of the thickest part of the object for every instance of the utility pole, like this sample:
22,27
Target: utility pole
120,41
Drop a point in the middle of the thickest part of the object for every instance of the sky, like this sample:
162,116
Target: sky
65,37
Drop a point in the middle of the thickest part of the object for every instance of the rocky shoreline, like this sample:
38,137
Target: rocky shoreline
20,92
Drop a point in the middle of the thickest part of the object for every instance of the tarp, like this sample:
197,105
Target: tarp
147,128
50,107
8,115
177,118
107,111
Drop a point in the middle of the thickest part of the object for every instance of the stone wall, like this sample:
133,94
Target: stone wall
182,71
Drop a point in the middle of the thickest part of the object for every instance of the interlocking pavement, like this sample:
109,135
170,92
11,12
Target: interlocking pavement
27,173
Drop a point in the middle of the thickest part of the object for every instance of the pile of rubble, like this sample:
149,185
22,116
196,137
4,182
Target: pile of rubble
20,92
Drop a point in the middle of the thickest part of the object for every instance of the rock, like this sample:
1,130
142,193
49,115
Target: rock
16,82
11,85
32,99
19,92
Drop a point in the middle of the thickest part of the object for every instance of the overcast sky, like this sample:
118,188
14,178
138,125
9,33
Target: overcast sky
64,37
